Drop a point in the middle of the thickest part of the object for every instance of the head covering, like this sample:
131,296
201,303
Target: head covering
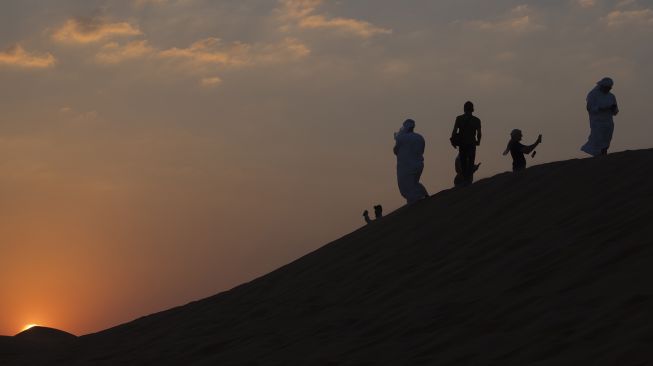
407,126
605,82
515,132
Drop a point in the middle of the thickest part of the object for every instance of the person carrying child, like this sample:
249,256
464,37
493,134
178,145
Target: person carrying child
517,150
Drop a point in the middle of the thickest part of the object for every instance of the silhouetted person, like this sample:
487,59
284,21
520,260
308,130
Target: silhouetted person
378,212
466,135
409,148
366,215
459,181
517,150
601,106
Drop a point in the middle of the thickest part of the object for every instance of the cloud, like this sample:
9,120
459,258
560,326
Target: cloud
89,30
77,117
287,50
518,20
302,14
142,3
210,81
358,27
201,57
299,8
586,3
113,53
618,18
624,3
211,51
18,57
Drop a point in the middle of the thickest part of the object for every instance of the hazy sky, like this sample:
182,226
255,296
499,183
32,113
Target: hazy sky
155,152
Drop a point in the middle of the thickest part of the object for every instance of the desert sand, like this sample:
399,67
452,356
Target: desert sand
550,266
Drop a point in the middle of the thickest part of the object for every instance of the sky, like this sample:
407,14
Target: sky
155,152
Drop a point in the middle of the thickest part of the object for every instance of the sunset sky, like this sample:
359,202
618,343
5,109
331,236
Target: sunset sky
155,152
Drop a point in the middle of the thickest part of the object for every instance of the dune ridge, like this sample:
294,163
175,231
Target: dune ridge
545,267
44,334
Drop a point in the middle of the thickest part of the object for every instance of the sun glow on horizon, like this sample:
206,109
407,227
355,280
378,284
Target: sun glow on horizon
29,326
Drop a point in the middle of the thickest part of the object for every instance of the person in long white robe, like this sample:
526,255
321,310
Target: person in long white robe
409,148
602,107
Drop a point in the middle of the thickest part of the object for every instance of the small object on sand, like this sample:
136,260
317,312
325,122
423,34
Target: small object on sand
366,215
378,211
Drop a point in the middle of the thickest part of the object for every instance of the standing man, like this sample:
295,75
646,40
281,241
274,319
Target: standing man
409,148
466,136
601,106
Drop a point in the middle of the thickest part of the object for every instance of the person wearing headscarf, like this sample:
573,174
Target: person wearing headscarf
601,107
409,149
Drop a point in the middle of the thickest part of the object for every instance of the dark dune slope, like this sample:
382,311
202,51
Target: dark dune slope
34,346
44,334
548,267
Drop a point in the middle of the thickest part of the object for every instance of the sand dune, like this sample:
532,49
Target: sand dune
34,346
547,267
44,334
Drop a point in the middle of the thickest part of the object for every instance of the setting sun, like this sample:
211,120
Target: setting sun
28,326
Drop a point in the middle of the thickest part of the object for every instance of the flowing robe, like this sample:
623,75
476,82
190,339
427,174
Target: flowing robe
409,149
601,122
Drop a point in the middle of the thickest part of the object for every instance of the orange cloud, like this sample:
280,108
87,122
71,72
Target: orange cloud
113,53
142,3
211,51
301,12
299,8
89,30
17,56
619,18
360,28
586,3
201,57
519,20
288,50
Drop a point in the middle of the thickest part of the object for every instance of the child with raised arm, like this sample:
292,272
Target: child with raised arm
517,150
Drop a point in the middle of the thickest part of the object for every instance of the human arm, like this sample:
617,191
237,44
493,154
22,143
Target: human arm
615,108
400,141
422,145
507,150
478,135
455,128
599,103
592,105
530,148
453,134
